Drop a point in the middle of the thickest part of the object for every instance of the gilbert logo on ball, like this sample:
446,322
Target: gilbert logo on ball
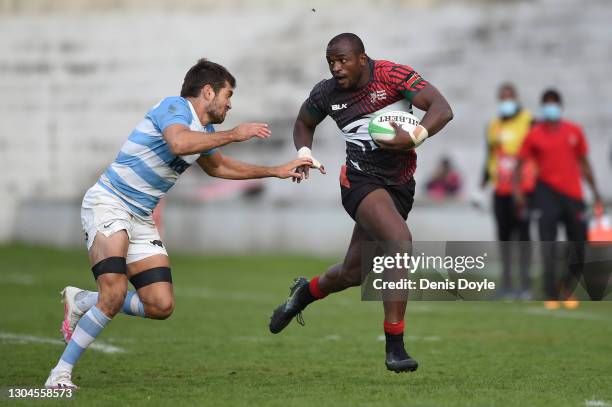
380,125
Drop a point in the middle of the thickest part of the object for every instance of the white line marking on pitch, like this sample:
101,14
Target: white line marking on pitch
253,338
332,338
17,279
570,314
596,403
415,338
15,338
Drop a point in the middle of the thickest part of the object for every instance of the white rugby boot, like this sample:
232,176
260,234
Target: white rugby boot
72,313
60,379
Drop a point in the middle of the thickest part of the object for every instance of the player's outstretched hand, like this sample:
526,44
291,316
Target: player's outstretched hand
246,131
290,170
401,142
304,170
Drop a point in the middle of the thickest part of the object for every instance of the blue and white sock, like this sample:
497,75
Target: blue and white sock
131,305
87,330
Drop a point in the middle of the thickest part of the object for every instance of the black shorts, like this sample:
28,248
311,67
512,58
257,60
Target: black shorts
356,185
510,225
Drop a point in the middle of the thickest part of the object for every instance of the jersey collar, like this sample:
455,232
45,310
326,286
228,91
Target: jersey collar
193,113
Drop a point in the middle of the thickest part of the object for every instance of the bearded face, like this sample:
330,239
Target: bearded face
220,104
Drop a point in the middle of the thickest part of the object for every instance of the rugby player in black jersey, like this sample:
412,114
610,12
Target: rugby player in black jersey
377,183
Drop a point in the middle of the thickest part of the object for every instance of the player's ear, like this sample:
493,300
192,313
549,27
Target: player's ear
363,59
207,92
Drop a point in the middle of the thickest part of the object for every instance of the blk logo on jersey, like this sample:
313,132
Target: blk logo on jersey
157,243
339,107
377,95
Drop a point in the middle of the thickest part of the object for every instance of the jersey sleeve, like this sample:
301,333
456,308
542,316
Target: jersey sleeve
172,110
581,147
316,100
209,129
527,150
406,80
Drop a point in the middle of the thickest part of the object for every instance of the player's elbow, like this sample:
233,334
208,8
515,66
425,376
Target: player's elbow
176,147
213,171
447,114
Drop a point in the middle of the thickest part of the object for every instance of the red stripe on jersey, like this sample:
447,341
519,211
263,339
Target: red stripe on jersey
412,80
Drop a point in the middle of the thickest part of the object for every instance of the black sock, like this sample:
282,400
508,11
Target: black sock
395,345
305,297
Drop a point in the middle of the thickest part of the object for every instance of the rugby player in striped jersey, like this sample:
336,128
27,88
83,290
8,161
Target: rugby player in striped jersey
116,214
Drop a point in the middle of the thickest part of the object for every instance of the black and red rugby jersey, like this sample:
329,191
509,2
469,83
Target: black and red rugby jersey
391,87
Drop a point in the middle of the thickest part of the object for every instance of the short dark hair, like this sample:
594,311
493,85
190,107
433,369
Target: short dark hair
507,86
205,72
552,94
352,39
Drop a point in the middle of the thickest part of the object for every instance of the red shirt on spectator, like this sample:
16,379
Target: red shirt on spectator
557,149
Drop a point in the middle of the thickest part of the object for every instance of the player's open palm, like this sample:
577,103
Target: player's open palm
290,170
246,131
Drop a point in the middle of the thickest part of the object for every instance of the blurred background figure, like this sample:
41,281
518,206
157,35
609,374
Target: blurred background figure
559,149
505,135
445,182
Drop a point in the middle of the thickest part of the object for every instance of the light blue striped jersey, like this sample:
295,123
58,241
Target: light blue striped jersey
145,169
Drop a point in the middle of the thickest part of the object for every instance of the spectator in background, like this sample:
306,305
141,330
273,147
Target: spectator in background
505,135
559,150
445,181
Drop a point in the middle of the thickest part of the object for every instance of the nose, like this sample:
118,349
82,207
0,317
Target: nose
336,67
229,105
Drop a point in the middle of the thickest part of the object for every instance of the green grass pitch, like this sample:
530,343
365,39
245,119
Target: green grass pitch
216,349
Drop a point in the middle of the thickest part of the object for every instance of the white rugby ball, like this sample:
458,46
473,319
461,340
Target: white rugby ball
380,125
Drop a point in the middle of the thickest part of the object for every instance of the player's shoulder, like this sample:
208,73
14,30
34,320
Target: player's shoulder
324,86
171,103
492,125
572,126
170,106
384,65
322,93
170,110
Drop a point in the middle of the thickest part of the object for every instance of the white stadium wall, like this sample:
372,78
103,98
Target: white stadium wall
75,80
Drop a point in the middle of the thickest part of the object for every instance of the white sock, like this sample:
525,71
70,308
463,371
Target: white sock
85,300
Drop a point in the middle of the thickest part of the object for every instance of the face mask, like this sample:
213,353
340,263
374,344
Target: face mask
507,108
551,112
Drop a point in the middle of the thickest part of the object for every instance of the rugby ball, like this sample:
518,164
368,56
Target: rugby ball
380,125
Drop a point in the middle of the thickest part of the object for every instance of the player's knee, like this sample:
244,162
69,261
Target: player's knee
166,309
162,309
